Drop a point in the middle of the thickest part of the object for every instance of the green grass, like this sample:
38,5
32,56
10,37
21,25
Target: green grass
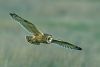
15,51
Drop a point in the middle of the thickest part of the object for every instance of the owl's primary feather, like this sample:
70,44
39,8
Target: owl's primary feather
66,44
28,25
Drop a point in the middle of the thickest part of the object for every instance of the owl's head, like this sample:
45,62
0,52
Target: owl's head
49,38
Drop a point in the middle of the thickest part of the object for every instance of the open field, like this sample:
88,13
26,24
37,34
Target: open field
15,51
80,28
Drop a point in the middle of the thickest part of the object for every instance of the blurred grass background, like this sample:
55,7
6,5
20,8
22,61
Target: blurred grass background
75,21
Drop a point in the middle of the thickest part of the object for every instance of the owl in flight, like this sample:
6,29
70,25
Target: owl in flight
39,37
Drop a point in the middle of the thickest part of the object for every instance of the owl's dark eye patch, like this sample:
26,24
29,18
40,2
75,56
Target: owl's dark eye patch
49,38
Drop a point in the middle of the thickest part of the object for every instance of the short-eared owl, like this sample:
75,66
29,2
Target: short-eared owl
39,37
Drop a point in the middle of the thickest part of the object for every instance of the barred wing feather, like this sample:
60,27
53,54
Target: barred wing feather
66,44
29,26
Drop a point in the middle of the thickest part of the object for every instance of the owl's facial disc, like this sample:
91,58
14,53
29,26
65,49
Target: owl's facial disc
49,39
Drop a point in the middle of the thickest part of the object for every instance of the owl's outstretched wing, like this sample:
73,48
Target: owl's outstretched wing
66,44
28,25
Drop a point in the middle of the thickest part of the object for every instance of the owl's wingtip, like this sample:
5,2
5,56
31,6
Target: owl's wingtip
78,48
11,14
